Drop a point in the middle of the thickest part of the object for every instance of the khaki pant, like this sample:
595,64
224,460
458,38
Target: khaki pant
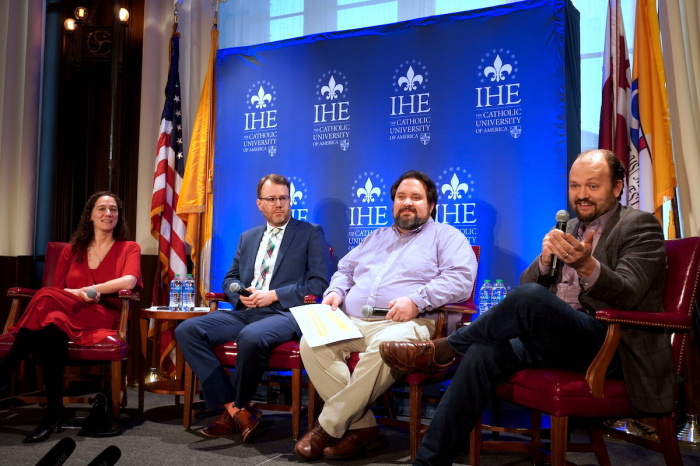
347,395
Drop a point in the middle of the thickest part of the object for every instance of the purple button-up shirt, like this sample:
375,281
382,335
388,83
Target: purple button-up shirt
433,265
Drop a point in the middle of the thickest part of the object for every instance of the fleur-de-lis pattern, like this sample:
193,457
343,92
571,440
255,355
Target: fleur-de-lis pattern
498,69
368,193
261,100
332,90
454,188
294,195
411,80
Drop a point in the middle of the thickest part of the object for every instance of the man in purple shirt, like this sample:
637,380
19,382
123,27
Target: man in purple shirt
614,257
412,268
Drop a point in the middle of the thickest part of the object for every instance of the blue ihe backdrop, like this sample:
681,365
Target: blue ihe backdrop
486,102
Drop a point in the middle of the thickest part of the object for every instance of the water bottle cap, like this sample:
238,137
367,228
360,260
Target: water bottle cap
499,281
189,275
177,275
487,281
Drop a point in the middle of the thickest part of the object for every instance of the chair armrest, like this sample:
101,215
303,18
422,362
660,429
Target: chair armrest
214,299
595,375
18,292
645,319
312,299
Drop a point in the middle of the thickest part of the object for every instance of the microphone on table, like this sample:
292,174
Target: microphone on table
91,293
236,288
108,457
562,217
369,311
59,453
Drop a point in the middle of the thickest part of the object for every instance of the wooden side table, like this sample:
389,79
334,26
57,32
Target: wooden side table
173,386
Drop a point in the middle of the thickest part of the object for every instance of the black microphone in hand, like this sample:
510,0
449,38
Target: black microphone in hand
236,288
59,453
108,457
562,217
91,293
369,311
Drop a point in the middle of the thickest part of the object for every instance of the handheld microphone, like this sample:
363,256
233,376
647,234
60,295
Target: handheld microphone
236,288
91,293
59,453
108,457
562,217
369,311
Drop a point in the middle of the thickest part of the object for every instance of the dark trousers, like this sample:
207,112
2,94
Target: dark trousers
255,331
531,327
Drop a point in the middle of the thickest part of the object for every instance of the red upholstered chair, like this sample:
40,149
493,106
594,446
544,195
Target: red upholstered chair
111,351
562,394
414,382
285,357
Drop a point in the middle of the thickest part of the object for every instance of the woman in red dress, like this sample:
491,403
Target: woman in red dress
98,258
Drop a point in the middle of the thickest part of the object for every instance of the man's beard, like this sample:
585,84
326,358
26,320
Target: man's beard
598,210
409,223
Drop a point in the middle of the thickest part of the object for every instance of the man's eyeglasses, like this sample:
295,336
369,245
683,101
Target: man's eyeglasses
273,200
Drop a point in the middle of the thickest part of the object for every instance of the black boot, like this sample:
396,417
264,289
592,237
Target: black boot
25,340
53,357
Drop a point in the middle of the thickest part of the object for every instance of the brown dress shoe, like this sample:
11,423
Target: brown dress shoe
354,442
311,446
248,419
222,426
411,356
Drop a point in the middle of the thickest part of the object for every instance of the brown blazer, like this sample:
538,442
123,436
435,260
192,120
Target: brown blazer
632,256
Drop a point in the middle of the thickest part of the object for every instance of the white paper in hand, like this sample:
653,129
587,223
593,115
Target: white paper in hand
322,325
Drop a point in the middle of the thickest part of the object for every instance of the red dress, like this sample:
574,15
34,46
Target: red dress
86,324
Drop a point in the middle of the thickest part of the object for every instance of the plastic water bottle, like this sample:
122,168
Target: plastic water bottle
498,292
175,294
188,291
485,296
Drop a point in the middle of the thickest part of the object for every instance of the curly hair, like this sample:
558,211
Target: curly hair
85,233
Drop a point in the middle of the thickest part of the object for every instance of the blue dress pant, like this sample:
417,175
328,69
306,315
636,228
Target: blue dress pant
255,331
531,327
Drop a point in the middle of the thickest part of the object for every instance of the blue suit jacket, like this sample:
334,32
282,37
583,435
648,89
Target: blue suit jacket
302,265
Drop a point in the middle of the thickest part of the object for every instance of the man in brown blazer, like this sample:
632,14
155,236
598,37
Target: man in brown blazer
613,257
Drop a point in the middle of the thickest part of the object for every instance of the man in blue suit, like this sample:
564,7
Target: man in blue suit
278,263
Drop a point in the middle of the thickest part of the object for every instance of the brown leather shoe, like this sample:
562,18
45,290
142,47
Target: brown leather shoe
248,419
411,356
311,446
222,426
354,442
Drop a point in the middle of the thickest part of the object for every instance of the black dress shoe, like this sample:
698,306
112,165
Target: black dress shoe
52,421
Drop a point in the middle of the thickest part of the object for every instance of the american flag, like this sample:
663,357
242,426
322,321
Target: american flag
167,227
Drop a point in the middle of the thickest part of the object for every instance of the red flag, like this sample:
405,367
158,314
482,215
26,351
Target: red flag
614,109
167,227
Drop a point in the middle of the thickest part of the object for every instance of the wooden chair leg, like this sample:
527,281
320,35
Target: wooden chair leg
415,424
669,440
314,407
475,444
560,437
599,448
189,388
116,386
296,403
